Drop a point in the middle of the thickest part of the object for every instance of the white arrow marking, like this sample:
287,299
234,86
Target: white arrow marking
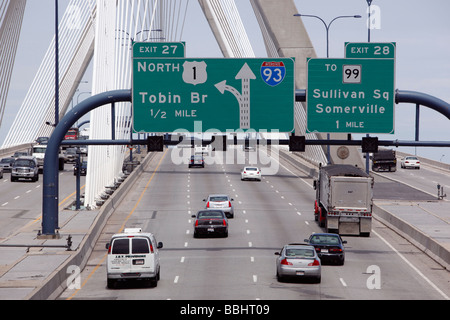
245,74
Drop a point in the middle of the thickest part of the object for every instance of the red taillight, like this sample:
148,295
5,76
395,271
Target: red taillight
196,223
314,263
335,250
224,222
207,204
285,262
229,204
151,248
109,249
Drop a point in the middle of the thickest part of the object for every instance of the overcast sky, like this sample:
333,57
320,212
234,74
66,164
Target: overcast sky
421,30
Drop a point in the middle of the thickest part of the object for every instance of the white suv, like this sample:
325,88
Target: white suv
133,254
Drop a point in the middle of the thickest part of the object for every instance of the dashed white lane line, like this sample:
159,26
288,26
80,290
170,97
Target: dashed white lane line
343,282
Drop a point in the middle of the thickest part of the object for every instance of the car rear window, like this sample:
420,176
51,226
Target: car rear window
325,239
121,246
140,245
299,253
218,198
251,169
210,214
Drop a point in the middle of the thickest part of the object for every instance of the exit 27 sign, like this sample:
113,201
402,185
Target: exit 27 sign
173,94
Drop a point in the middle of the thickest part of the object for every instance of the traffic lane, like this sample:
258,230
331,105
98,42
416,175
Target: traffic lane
266,260
180,248
174,227
93,276
275,216
426,179
253,253
21,201
394,188
271,210
209,268
363,265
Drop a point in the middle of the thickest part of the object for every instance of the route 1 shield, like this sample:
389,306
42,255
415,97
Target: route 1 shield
194,72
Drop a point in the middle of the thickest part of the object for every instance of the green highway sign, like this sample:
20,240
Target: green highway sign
200,94
374,50
350,95
159,49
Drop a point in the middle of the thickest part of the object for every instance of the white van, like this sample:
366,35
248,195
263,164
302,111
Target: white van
133,254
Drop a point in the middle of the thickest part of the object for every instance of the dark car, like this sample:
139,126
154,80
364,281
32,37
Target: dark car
329,247
196,161
210,222
83,170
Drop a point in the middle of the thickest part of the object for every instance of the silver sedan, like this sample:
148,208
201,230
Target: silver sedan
298,261
222,202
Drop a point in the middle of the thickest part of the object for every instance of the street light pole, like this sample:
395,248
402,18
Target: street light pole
369,3
56,66
327,28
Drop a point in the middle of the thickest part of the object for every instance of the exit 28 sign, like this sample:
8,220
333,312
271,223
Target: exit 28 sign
350,95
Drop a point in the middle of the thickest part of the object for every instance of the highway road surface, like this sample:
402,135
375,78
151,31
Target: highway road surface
21,201
268,214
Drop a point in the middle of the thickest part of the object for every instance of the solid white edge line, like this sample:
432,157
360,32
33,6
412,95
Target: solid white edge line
413,267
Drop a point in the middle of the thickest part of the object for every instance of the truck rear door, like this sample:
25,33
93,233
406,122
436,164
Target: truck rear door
118,260
351,193
142,255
